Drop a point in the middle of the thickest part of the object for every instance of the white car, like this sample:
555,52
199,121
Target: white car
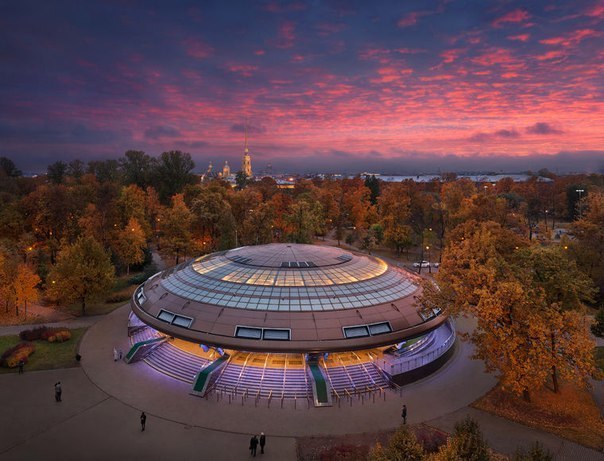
422,264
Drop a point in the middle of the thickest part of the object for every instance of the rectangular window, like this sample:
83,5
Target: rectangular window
166,316
181,321
274,334
356,332
248,332
380,328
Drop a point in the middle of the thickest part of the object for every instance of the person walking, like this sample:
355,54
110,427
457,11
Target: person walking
262,442
21,363
143,420
115,356
404,414
253,445
58,391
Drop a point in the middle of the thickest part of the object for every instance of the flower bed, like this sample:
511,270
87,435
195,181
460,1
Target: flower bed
21,352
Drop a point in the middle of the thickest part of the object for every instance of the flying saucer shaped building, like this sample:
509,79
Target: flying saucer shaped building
281,299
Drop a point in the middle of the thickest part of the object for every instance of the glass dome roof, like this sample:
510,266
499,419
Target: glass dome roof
289,277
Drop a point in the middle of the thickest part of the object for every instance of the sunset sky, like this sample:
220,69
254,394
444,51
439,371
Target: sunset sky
398,87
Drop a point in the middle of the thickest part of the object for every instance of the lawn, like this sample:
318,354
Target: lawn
572,413
47,356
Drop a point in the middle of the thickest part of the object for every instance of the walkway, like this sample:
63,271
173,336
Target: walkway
103,400
73,322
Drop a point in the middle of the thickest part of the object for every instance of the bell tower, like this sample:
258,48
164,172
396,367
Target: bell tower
246,164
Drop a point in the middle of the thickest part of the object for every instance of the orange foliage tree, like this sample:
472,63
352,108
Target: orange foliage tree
526,301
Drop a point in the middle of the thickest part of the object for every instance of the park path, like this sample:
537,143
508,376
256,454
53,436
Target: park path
74,322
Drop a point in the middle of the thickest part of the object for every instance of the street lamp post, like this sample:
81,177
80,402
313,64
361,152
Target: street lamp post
429,265
580,192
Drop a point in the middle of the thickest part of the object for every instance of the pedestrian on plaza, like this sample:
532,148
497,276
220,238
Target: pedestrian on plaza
404,414
143,420
119,353
115,356
253,445
58,391
21,363
262,442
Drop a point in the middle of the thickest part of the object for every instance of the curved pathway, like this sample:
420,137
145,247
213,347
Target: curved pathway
102,400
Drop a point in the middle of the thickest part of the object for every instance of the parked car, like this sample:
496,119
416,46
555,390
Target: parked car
435,264
422,264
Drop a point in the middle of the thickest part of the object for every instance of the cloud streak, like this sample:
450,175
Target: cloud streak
375,81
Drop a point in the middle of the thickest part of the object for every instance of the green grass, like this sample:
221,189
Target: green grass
48,356
599,356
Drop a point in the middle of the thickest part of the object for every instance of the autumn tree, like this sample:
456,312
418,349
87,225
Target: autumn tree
104,170
395,213
57,172
25,287
137,168
129,244
476,277
304,216
588,246
558,290
8,272
173,173
83,273
176,227
525,301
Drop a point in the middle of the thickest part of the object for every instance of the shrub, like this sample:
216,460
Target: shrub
59,336
429,438
466,444
403,445
12,356
32,335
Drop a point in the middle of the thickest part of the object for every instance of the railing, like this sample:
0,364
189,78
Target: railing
418,362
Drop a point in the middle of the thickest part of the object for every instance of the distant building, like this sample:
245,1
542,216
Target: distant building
226,170
246,165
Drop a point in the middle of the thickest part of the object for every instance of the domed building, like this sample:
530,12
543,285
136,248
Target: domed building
336,321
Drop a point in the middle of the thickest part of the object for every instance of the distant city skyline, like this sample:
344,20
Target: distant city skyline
389,87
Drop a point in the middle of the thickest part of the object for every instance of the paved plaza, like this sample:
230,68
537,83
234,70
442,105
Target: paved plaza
102,401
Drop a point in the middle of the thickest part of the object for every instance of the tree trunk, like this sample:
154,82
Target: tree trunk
83,306
127,269
177,255
554,371
526,395
555,379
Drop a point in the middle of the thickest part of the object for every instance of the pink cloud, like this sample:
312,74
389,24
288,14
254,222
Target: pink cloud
391,74
596,11
242,69
520,37
259,52
451,55
551,55
197,49
286,35
496,56
408,20
514,16
571,39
